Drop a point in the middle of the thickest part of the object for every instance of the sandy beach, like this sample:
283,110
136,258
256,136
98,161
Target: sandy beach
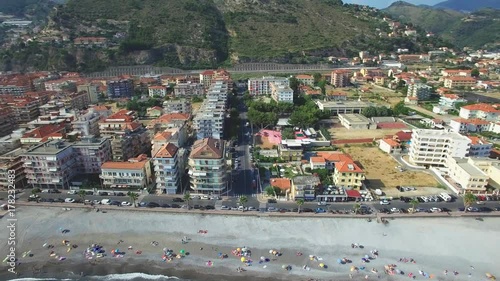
464,245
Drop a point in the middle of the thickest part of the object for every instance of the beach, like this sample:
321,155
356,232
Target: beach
464,245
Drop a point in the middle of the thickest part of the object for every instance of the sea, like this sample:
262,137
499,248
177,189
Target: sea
113,277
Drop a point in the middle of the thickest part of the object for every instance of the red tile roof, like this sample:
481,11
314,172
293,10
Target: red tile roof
167,151
44,131
481,107
391,142
403,136
281,183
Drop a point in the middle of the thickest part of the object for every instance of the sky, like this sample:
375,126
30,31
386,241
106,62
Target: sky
385,3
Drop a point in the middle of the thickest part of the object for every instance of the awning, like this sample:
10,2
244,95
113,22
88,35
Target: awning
353,193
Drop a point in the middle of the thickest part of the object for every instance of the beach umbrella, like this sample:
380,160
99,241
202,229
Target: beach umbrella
353,268
243,259
165,249
322,265
270,251
262,258
238,249
367,257
182,251
284,266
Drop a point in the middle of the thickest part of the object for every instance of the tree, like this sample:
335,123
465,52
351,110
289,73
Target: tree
299,202
270,191
243,200
414,203
187,198
400,109
356,208
82,194
133,197
369,112
469,199
475,72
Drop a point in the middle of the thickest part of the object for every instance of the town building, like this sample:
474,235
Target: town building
132,174
15,85
154,112
50,165
281,93
25,110
479,147
304,187
341,78
348,174
488,112
290,150
160,91
434,147
456,73
458,81
466,175
419,90
92,90
177,106
305,79
207,166
120,88
43,133
208,77
389,146
7,123
490,167
90,153
12,141
262,86
189,89
209,120
12,170
166,168
463,126
87,123
356,122
339,107
450,100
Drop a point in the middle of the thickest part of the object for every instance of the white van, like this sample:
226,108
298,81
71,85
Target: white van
106,201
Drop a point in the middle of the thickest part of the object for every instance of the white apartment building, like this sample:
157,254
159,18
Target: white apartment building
87,124
90,153
464,126
189,89
207,166
479,147
262,86
177,106
467,176
483,111
133,174
209,120
490,167
160,91
449,100
419,90
50,165
92,91
281,93
434,147
166,168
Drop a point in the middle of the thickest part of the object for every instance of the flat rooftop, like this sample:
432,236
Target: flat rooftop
469,168
343,104
355,118
438,134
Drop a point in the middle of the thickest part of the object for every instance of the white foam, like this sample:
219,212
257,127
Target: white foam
132,276
40,279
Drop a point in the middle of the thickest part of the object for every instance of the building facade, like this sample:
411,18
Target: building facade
166,168
207,166
90,153
262,86
133,174
121,88
281,93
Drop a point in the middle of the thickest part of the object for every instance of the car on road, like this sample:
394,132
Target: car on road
125,203
209,207
321,203
225,208
115,203
271,201
320,210
251,208
177,199
435,210
34,196
165,206
152,205
71,192
205,197
384,202
395,210
272,209
69,200
480,202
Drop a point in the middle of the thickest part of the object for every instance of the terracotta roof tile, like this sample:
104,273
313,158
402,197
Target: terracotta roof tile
281,183
167,151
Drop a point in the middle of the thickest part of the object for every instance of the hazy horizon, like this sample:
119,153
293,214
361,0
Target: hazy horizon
380,4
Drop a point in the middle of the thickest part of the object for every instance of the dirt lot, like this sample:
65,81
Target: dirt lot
381,172
340,132
263,142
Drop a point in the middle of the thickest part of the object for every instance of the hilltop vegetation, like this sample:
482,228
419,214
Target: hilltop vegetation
476,30
468,5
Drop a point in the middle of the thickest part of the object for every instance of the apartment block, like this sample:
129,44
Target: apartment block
305,79
490,167
262,86
455,82
90,153
208,77
121,88
281,93
450,100
479,147
129,138
207,166
87,123
290,151
209,120
12,141
50,165
488,112
168,121
177,106
7,124
348,174
341,78
132,174
43,133
92,91
304,187
166,168
435,147
419,90
160,91
189,89
12,165
456,73
16,84
25,110
467,176
464,126
177,136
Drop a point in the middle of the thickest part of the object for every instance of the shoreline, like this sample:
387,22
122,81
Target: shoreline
436,245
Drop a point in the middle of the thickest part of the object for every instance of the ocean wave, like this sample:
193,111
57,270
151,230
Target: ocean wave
132,277
40,279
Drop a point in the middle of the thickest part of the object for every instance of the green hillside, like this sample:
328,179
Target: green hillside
478,29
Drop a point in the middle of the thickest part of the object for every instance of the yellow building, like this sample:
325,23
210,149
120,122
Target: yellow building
347,174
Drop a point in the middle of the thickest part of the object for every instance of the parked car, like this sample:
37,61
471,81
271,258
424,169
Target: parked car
224,208
71,192
89,193
308,210
251,208
480,202
54,191
395,210
209,207
205,197
103,193
153,205
321,203
125,203
120,194
34,196
320,210
165,205
384,202
472,209
178,200
60,200
106,201
485,209
69,200
272,209
215,197
115,203
436,210
271,201
175,206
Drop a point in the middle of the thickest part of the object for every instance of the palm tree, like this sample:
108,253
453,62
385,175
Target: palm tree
243,200
82,194
133,197
356,207
299,202
414,203
187,198
469,199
